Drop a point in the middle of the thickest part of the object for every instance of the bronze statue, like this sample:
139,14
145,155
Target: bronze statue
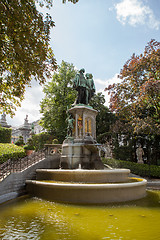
90,86
79,83
70,124
84,86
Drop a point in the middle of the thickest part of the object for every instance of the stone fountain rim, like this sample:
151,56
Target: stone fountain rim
140,182
115,170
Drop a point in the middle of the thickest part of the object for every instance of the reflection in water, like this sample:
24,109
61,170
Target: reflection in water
37,219
22,229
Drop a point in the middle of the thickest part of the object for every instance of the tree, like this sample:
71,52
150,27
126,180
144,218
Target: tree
59,95
104,118
136,100
25,52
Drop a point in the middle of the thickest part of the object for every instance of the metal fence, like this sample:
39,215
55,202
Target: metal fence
18,165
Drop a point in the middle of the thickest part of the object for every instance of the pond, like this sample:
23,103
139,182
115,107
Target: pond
33,218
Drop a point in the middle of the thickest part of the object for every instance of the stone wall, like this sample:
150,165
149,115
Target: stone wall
14,185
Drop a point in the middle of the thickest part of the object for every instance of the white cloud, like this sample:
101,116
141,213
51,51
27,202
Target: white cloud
106,83
99,81
135,12
30,106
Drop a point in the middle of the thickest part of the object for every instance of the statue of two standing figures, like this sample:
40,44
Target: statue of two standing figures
84,86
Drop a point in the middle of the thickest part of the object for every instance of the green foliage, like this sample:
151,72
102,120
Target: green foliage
10,151
104,119
123,152
137,98
59,96
29,145
20,141
5,135
55,141
25,51
143,170
126,150
40,139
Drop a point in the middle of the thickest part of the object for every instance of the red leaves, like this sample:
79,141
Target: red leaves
109,87
139,90
151,87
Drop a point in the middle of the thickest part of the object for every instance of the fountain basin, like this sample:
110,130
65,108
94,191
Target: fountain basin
86,176
83,193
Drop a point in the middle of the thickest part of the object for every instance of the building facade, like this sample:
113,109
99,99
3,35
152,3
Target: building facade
26,130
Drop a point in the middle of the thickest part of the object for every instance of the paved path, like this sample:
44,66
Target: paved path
152,183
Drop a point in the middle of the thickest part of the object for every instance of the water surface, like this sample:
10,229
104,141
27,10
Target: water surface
33,218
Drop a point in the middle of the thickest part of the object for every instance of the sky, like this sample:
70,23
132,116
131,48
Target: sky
99,36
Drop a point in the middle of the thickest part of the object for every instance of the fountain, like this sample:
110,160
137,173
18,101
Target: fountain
82,177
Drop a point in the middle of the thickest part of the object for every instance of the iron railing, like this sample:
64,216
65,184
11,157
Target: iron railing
12,165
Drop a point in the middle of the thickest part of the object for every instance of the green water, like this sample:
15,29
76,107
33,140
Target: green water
37,219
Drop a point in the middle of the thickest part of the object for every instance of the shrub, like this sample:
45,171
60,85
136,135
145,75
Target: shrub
10,151
123,152
5,135
55,141
143,170
29,145
40,139
20,141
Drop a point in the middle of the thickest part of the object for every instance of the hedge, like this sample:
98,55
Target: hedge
39,140
5,135
10,151
20,141
143,170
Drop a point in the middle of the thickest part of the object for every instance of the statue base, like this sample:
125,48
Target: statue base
80,149
80,153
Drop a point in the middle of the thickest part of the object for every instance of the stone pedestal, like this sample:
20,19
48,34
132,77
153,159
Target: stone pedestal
85,121
80,149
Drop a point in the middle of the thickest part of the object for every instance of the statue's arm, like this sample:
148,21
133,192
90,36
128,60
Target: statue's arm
76,81
93,86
